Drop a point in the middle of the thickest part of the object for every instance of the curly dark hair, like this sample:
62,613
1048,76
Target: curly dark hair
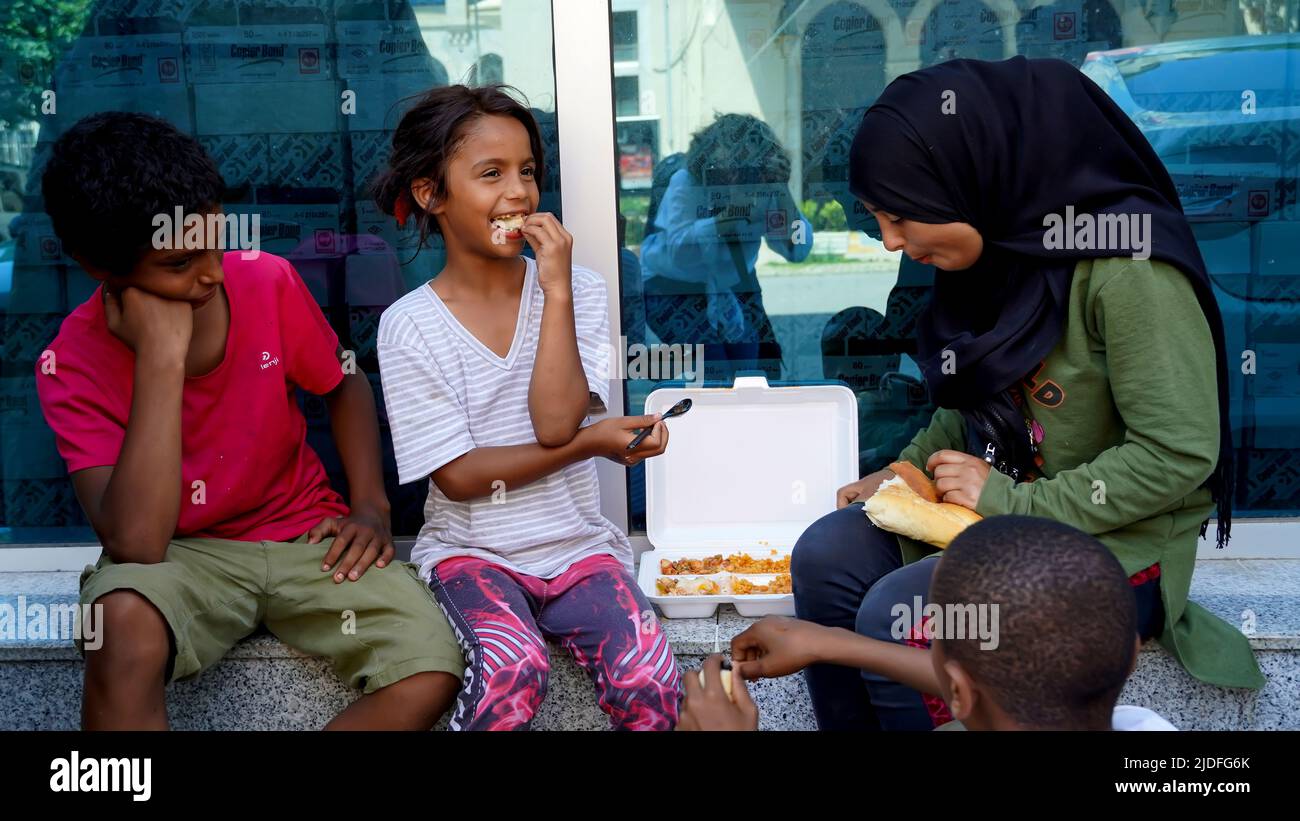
112,172
737,149
432,131
1067,619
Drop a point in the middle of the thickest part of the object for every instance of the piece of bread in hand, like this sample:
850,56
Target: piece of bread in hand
726,682
900,507
916,479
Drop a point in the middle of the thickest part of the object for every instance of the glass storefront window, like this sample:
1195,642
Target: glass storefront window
743,108
295,100
739,150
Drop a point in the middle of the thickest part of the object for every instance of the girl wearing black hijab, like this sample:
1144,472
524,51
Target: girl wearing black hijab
1073,346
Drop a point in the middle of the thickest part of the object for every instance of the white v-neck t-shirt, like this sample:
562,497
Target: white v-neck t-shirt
446,393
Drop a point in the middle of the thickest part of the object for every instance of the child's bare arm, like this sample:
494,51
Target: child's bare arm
365,536
476,474
134,504
778,646
911,666
558,397
483,471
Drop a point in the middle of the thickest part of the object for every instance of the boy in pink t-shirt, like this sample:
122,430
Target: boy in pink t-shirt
171,393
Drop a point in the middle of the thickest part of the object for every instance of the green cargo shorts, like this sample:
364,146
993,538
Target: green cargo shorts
213,592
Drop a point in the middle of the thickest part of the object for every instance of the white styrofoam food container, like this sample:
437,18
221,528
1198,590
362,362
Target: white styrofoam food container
747,469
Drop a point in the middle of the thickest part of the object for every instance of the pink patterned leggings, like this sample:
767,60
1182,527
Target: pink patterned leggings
594,610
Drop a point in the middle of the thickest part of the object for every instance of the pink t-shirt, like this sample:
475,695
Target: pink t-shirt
242,434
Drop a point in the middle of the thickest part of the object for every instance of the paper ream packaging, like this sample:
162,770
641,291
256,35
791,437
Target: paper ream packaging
117,60
29,451
141,72
241,158
370,150
306,160
1279,253
381,234
271,40
368,48
1222,197
373,279
381,101
267,108
837,35
295,230
966,28
258,53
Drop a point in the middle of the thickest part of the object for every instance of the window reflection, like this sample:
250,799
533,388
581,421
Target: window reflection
841,307
295,100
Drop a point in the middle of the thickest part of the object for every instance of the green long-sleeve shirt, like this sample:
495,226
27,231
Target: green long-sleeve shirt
1128,404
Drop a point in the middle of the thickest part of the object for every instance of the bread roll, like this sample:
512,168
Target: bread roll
898,508
509,222
726,682
917,480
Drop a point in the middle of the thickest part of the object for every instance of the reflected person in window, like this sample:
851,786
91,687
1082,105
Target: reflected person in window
891,404
723,198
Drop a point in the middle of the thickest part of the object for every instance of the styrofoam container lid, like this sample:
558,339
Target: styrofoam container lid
750,464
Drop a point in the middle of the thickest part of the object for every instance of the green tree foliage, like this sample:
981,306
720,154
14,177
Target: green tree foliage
33,35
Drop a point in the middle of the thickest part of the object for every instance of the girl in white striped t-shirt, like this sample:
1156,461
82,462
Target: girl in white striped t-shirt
490,372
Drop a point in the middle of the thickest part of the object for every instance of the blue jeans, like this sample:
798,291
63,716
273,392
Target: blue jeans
849,573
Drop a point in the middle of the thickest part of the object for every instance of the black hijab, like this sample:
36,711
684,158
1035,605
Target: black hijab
1000,145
